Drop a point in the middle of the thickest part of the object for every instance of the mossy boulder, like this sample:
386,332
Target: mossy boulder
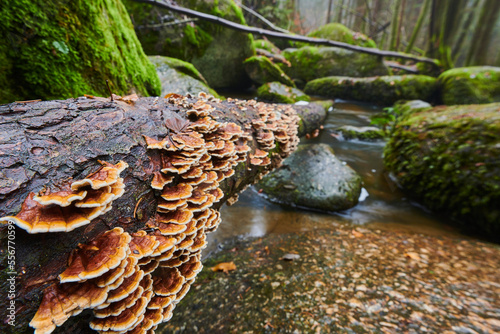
448,158
265,44
312,177
179,77
367,133
279,93
470,85
340,33
62,49
261,70
309,63
384,90
217,52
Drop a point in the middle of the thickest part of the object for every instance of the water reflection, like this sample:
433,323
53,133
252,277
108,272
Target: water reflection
385,207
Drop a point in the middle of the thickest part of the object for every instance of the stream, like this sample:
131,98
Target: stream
385,207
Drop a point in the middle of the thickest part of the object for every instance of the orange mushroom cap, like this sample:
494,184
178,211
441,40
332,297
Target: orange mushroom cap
167,281
98,257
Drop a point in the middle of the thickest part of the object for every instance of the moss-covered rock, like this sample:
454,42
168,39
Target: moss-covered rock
340,33
384,90
278,93
470,85
179,77
261,70
368,133
326,104
309,63
312,177
448,158
60,49
217,52
265,45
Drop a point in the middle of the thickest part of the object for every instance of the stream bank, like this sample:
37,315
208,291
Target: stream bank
346,280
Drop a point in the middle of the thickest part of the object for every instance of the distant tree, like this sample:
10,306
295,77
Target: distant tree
477,54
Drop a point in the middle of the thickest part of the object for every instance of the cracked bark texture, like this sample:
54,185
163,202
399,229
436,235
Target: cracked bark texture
44,142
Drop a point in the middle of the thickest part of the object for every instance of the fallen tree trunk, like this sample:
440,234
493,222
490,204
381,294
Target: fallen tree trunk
46,143
290,37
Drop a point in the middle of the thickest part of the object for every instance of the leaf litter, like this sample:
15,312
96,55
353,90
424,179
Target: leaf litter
346,281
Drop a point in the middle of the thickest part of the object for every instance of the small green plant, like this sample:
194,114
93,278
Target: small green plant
384,120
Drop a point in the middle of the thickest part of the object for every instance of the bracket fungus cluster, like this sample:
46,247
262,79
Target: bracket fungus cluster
71,204
132,281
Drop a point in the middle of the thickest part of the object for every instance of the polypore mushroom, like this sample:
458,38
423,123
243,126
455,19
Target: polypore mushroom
98,257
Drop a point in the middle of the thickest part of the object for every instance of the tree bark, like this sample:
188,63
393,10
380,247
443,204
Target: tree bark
42,143
297,38
394,25
418,25
482,33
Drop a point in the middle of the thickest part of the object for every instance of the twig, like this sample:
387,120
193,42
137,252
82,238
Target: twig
137,205
262,18
297,38
171,140
165,24
109,88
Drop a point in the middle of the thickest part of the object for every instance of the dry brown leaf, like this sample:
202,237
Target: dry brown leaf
225,267
357,234
413,256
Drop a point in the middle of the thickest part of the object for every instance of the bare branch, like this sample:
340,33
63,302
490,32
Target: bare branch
262,18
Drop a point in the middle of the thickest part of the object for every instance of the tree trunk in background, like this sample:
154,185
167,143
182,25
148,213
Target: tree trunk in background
47,142
394,25
368,12
400,22
360,10
482,33
329,14
418,25
446,16
340,8
458,47
376,9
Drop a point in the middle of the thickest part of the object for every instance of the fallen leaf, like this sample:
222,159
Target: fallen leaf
357,234
413,256
225,267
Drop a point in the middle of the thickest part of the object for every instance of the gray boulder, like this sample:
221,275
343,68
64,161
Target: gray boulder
312,177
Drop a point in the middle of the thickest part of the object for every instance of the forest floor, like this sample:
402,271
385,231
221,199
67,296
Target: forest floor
346,280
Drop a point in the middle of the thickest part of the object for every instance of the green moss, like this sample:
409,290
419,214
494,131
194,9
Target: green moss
179,77
470,85
217,52
309,63
384,90
278,93
179,65
262,70
67,48
340,33
447,157
367,133
265,45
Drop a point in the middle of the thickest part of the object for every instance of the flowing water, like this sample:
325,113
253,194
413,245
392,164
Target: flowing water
386,206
